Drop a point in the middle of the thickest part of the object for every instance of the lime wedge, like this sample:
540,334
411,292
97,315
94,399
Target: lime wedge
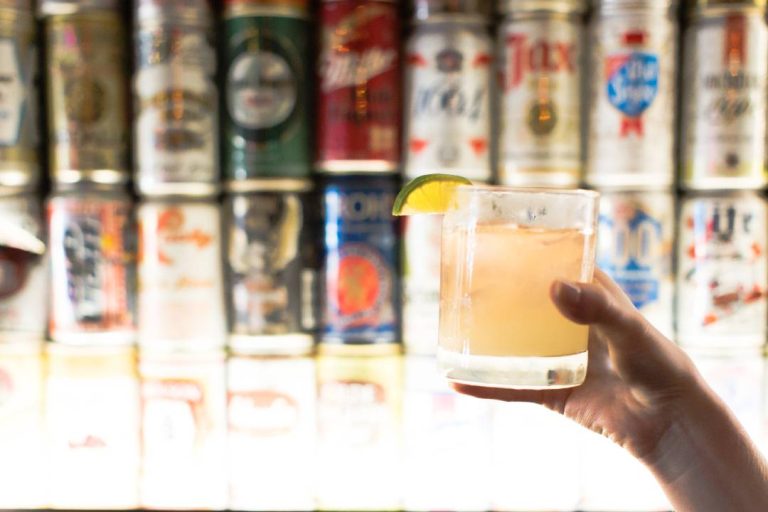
431,193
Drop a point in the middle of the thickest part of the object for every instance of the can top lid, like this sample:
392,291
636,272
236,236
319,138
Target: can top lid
701,5
269,185
423,9
181,11
54,7
562,6
245,7
635,4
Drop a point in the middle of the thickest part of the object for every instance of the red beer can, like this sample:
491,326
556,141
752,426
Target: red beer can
359,94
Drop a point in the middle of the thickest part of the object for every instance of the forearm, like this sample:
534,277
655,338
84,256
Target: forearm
705,461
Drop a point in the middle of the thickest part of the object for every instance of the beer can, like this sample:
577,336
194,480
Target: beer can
360,288
448,97
178,12
176,103
359,411
24,283
426,9
539,52
358,117
181,289
635,247
19,165
86,97
421,283
632,89
183,429
724,99
271,417
21,426
266,52
64,7
721,277
92,423
272,267
92,260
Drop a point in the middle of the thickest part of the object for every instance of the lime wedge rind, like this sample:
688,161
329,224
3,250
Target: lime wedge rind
428,194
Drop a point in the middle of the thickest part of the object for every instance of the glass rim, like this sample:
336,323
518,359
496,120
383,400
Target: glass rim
502,189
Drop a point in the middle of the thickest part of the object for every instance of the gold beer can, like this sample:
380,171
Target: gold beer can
87,101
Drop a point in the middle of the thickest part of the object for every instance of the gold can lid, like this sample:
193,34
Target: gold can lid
424,9
558,6
703,5
59,7
174,11
265,7
643,5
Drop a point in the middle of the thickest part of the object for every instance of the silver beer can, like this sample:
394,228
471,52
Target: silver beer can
176,102
19,165
24,283
272,267
181,290
539,52
721,277
632,89
635,247
448,97
724,98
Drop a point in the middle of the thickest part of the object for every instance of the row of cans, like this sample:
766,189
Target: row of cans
359,122
291,275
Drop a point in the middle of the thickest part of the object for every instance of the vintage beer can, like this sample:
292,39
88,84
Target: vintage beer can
272,417
360,290
539,52
272,266
21,426
19,165
184,429
448,97
636,232
176,101
86,97
92,423
724,98
358,117
266,54
721,277
632,89
359,413
421,283
181,290
92,260
24,282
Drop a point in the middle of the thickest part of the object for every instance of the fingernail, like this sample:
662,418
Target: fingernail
568,293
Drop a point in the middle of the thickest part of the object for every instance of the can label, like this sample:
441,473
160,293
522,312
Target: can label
540,112
722,272
176,107
23,288
183,428
87,101
271,277
631,135
634,247
724,128
421,283
181,293
271,412
359,94
448,101
18,117
361,295
92,260
266,130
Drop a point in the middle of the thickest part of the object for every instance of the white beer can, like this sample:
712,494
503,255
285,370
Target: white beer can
181,290
271,413
539,52
635,247
724,91
632,88
448,97
184,431
721,275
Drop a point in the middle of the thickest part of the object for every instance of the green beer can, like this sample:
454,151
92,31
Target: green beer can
265,112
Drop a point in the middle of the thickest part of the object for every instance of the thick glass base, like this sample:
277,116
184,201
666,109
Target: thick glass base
514,372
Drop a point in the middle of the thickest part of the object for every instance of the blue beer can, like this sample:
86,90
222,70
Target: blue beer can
361,263
635,247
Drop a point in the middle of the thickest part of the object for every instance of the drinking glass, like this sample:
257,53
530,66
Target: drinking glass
501,250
